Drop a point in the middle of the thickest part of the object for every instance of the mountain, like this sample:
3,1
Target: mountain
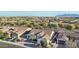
68,15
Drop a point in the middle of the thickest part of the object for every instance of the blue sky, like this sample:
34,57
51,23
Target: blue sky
36,13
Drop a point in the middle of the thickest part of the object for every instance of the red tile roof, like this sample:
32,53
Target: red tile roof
34,31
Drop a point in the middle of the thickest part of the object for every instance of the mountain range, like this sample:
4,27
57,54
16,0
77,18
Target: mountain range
68,15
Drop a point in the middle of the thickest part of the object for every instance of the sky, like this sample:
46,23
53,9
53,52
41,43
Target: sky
36,13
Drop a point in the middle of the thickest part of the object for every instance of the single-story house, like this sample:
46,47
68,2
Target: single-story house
74,36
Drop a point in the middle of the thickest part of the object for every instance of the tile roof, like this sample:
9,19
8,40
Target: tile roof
48,32
35,31
20,30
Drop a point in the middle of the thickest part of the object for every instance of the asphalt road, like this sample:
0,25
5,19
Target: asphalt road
6,44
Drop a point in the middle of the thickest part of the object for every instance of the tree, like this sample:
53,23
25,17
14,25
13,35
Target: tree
43,25
61,25
76,26
3,35
44,43
69,27
33,38
52,26
6,35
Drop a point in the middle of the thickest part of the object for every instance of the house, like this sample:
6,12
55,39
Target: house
13,35
20,30
38,34
17,32
74,37
29,34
